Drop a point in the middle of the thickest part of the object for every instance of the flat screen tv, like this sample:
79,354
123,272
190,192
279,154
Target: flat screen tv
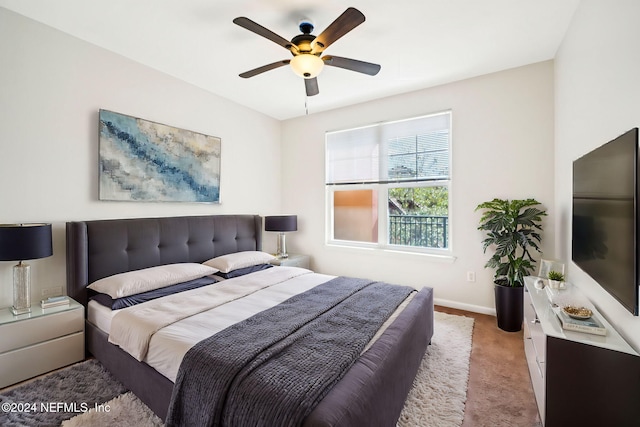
605,217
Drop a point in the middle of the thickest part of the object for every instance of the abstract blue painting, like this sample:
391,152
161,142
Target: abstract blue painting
142,160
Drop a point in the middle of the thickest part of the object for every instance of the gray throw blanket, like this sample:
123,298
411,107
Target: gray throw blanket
273,368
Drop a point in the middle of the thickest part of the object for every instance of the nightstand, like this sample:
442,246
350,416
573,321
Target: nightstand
294,260
40,341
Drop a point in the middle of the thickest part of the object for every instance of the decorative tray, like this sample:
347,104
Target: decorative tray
580,313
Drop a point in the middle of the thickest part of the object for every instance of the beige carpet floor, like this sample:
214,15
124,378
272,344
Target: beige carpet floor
499,392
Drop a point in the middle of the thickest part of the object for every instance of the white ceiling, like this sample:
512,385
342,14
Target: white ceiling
419,43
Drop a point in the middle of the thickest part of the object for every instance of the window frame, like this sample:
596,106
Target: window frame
382,189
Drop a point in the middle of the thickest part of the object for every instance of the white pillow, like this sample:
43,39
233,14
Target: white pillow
236,260
148,279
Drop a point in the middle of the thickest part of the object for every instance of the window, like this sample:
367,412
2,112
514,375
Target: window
388,184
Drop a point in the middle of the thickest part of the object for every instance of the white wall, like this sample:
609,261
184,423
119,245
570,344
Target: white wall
502,147
51,88
597,98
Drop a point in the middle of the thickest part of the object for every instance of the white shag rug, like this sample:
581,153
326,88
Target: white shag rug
437,398
125,410
439,391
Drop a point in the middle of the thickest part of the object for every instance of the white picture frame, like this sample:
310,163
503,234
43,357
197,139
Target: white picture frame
547,265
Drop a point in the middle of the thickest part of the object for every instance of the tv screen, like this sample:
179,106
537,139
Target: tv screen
605,218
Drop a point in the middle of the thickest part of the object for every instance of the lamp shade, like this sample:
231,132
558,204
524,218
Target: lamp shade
19,242
281,223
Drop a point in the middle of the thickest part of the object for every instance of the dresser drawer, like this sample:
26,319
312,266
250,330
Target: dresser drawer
529,311
536,372
29,331
534,334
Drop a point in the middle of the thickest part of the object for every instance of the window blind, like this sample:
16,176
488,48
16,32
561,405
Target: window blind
408,150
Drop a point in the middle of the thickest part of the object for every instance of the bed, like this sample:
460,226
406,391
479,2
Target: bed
371,392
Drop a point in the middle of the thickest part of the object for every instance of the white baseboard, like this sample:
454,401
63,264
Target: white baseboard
466,307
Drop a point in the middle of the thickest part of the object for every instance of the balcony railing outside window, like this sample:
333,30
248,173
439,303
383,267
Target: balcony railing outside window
428,231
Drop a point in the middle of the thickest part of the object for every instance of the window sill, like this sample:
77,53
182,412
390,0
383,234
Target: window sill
423,255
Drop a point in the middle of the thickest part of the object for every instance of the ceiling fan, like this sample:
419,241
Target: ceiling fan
307,48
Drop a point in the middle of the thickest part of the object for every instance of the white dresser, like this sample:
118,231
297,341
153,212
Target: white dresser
41,341
578,379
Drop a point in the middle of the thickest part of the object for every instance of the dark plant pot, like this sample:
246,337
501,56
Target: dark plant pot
509,307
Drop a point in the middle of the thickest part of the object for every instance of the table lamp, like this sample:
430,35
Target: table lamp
19,242
281,224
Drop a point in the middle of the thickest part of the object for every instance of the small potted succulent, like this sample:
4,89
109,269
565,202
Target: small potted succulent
556,279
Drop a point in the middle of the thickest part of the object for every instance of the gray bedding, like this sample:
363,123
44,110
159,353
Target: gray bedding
273,368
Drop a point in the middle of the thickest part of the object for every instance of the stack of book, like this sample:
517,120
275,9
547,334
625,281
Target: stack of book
54,302
590,326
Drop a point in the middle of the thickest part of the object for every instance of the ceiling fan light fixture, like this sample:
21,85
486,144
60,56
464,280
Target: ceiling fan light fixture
306,65
307,48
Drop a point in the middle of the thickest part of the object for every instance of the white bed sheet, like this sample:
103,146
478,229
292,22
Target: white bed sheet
169,345
100,315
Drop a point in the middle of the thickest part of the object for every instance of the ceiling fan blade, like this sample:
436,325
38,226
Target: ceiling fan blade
352,64
264,68
264,32
346,22
311,85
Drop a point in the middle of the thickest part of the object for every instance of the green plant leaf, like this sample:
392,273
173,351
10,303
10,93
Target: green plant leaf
512,228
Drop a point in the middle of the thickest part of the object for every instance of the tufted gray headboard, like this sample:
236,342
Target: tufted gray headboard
97,249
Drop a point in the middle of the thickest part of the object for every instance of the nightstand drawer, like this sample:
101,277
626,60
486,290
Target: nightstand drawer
27,362
29,331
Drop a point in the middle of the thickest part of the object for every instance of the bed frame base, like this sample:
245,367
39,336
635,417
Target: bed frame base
145,382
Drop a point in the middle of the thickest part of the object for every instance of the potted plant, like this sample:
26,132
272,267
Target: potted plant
512,230
555,279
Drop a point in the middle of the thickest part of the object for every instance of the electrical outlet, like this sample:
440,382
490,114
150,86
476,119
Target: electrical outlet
471,276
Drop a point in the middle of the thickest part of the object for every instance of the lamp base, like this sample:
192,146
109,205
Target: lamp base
19,311
282,247
21,289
